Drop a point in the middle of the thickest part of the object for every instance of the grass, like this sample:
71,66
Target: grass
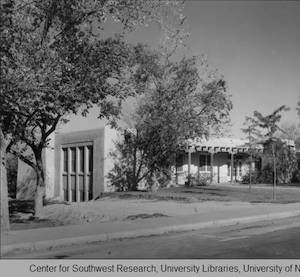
222,192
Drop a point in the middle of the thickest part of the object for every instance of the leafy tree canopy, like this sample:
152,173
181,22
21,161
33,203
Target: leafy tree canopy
184,101
56,60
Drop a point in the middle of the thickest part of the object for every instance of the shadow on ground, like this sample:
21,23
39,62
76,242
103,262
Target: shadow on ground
21,215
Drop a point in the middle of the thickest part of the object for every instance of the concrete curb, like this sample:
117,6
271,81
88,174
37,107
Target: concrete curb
64,242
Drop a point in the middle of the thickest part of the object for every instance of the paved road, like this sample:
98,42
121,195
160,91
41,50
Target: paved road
275,240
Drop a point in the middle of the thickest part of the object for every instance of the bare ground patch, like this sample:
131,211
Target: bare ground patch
177,201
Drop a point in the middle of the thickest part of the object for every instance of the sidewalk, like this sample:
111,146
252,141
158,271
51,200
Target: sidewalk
56,237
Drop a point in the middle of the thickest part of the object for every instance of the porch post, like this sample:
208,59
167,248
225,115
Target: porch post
69,159
211,167
76,175
231,167
86,169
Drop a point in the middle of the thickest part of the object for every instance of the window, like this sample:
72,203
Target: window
205,162
179,162
202,162
228,169
81,159
73,159
77,172
90,157
240,168
65,159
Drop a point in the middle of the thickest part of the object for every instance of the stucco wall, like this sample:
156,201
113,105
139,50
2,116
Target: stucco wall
26,181
26,177
111,136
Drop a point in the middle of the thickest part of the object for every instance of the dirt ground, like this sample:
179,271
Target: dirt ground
133,205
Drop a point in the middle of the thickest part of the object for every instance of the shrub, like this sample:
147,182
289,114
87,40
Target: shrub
296,177
198,180
266,174
255,177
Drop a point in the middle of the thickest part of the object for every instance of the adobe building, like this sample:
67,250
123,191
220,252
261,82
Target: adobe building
76,165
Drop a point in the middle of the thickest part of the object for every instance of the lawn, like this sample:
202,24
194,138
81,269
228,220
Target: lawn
222,192
175,201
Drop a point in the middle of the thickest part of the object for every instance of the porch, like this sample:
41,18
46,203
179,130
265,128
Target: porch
216,163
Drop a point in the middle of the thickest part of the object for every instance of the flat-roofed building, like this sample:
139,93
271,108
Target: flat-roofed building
76,165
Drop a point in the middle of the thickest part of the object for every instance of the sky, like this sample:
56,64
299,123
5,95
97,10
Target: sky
254,44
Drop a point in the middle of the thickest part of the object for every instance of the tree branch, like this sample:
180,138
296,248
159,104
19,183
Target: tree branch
23,158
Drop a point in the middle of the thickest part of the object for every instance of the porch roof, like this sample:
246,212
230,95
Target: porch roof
214,145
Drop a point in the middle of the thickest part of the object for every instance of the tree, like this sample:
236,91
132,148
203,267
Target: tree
59,64
184,103
269,125
3,180
286,161
12,174
290,131
253,136
5,42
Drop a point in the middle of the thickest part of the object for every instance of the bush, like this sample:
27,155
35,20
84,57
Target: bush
198,180
296,177
266,174
255,178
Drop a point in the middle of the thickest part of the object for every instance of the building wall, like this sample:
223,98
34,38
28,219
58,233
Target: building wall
111,136
103,144
26,181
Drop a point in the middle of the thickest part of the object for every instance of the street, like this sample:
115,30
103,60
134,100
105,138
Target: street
263,240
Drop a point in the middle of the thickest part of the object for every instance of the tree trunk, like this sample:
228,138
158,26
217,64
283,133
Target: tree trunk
3,182
133,183
40,186
38,201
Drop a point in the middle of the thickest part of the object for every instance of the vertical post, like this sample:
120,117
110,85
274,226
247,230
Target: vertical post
176,173
231,167
63,191
274,168
69,159
189,166
250,168
77,174
211,167
85,173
